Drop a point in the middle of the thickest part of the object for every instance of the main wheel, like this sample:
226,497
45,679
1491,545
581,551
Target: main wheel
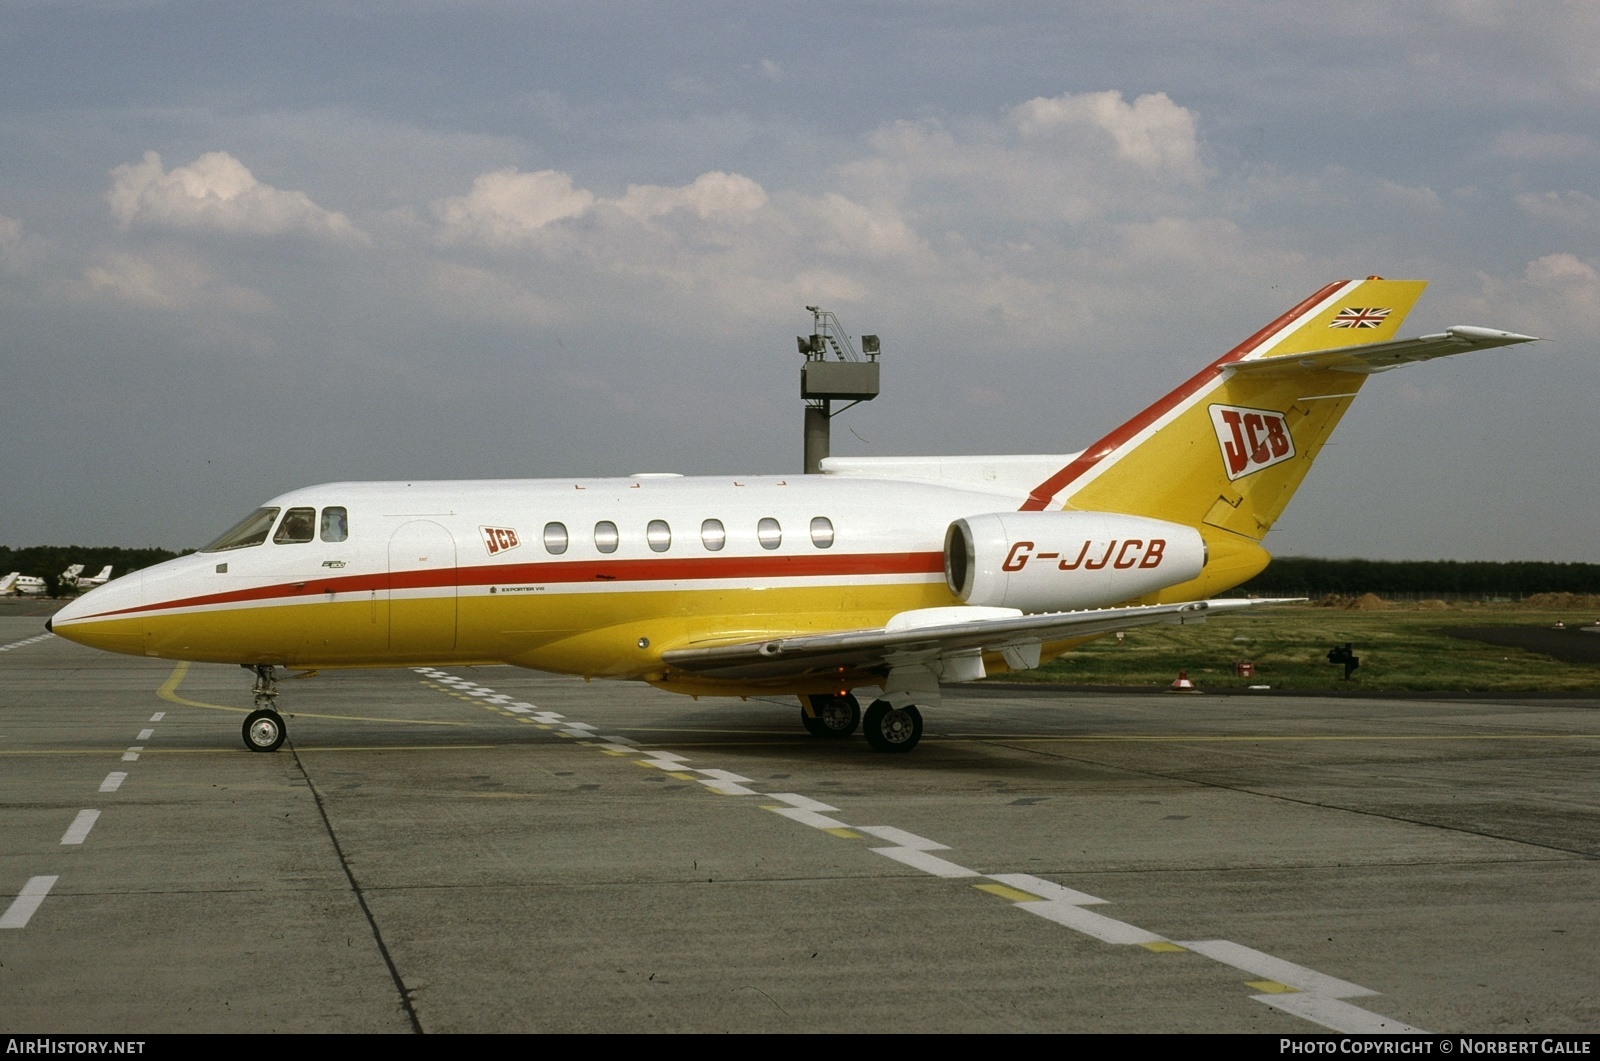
892,729
836,716
264,731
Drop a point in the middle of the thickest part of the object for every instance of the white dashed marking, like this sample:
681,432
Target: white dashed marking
113,781
1337,1015
23,906
1045,889
1098,926
901,838
29,641
145,734
917,858
78,831
1269,968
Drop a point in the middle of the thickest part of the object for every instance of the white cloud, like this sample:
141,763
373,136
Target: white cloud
715,194
1152,132
17,248
1557,297
1570,208
1073,158
164,280
507,206
217,192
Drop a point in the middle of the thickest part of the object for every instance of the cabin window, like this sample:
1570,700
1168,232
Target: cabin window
252,530
713,535
299,525
605,536
659,535
555,538
335,524
769,533
821,532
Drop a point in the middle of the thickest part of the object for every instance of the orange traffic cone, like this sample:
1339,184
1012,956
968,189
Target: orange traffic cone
1183,684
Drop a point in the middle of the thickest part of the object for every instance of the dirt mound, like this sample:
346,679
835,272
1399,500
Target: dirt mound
1432,606
1561,601
1369,602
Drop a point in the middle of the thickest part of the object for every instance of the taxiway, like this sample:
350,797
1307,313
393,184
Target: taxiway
497,850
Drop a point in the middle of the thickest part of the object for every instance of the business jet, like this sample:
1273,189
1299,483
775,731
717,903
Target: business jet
9,582
884,575
24,585
74,579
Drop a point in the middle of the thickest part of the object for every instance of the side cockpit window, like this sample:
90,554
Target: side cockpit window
299,525
335,524
252,530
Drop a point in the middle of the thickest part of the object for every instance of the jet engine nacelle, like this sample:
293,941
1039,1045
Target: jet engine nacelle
1063,561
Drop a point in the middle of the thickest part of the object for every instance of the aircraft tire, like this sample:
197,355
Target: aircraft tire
264,731
890,729
814,726
836,716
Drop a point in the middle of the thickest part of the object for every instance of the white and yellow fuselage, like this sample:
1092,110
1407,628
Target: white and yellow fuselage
590,577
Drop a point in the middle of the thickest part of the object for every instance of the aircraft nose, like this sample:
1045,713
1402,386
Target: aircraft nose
109,617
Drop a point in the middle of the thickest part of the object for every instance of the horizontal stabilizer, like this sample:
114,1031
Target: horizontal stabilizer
900,644
1380,357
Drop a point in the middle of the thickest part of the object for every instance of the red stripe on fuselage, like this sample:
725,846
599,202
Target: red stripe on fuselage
1040,495
602,572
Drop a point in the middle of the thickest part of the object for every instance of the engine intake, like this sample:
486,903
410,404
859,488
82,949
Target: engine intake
1063,561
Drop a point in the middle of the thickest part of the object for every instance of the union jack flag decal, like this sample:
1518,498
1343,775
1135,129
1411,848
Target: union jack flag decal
1359,318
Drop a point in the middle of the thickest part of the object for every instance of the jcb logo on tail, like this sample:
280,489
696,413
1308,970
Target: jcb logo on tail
499,539
1251,439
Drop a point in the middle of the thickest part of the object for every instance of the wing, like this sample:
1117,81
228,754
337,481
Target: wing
932,636
1380,357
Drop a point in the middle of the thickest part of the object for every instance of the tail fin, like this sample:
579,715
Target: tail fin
1225,451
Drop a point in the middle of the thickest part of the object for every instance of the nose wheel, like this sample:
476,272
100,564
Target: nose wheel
264,730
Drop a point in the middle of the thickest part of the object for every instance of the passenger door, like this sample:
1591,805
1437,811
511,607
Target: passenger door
422,589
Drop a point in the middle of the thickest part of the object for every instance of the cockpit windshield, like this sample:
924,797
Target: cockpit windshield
252,530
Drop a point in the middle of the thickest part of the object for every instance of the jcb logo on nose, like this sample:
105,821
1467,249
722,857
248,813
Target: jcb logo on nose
1251,439
499,539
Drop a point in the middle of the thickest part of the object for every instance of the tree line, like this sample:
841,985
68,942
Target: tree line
1302,576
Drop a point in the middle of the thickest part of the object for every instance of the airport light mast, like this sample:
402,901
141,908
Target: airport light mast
845,377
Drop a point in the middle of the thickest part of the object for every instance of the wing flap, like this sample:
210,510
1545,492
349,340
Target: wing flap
1380,357
899,644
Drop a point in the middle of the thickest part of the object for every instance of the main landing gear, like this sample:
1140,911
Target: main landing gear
886,727
831,716
892,729
264,730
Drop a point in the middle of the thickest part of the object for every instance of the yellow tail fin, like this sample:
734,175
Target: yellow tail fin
1225,451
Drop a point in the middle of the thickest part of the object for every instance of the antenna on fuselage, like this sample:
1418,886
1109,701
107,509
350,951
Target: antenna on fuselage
845,377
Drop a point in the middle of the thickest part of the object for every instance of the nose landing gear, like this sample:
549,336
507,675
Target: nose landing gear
264,730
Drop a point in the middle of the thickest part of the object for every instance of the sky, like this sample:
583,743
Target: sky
248,247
